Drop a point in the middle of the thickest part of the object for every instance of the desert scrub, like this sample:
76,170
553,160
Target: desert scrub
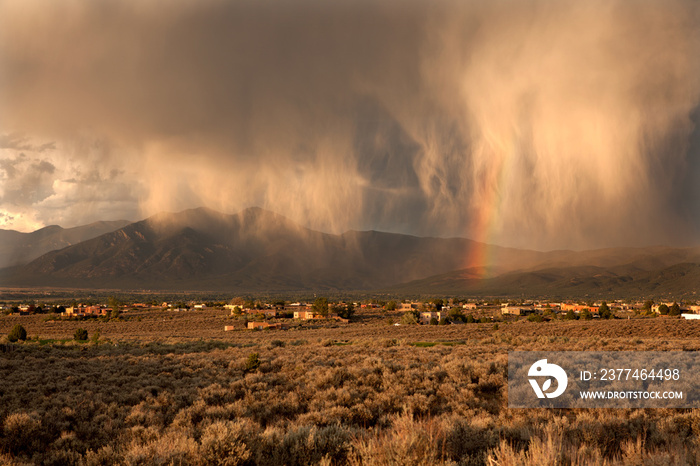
181,401
21,432
224,443
80,334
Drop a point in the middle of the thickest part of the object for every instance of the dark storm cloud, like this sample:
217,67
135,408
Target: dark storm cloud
532,123
18,142
224,69
25,182
688,196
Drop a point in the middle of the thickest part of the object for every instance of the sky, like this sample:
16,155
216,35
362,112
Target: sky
530,123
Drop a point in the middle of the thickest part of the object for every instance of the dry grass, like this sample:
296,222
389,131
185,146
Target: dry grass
175,389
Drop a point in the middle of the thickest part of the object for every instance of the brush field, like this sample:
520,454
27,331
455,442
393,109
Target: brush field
173,388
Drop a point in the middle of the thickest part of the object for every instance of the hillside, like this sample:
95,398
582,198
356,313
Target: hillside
631,280
18,248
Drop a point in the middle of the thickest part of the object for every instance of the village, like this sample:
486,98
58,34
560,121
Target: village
279,315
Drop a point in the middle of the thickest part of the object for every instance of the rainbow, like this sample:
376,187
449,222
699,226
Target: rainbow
492,194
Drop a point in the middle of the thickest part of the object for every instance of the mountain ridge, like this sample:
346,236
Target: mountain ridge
258,250
17,248
253,248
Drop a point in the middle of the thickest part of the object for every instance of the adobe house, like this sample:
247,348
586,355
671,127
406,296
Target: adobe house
518,311
304,315
427,316
264,325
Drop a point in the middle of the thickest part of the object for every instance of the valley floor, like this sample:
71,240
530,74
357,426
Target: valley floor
174,388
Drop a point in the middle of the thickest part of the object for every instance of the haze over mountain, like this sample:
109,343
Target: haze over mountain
256,250
252,250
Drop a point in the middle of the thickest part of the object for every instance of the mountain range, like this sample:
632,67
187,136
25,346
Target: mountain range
623,281
18,248
259,251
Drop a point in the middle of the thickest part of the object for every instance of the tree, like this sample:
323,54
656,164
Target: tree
586,315
570,315
114,303
320,306
647,305
253,362
347,311
604,311
663,309
17,333
674,310
434,321
115,313
80,334
391,306
409,318
439,303
456,314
